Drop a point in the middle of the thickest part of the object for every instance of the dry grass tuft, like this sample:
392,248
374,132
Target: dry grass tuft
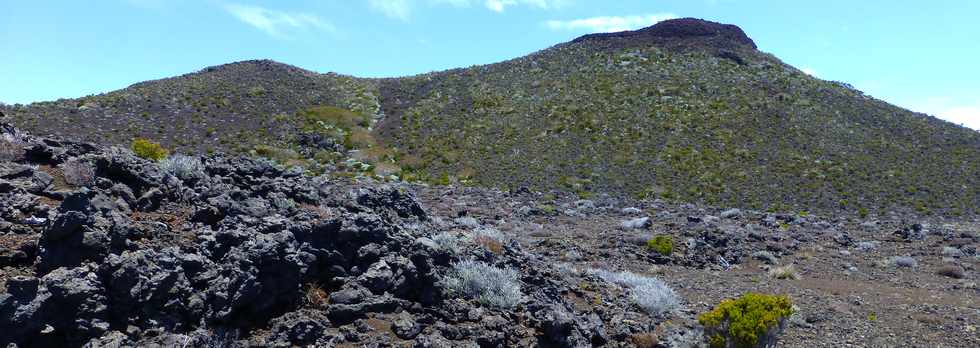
784,272
315,296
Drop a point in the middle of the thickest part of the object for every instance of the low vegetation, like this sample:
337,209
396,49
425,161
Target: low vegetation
183,167
657,122
489,285
753,320
784,272
315,296
651,294
148,149
489,238
662,244
676,122
903,262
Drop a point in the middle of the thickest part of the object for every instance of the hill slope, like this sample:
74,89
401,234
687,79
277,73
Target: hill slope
686,109
229,107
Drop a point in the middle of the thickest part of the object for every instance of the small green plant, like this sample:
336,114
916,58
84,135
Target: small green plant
753,320
863,212
441,180
548,209
872,316
662,244
145,148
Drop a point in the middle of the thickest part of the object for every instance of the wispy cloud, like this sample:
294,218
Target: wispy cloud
501,5
607,24
398,9
403,9
277,23
810,71
949,109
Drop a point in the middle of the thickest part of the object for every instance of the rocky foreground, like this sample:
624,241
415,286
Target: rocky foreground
101,248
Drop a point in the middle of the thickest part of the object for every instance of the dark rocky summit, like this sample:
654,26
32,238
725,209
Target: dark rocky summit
679,30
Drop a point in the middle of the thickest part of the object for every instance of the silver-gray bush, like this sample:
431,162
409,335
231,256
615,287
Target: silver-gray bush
183,167
492,286
649,293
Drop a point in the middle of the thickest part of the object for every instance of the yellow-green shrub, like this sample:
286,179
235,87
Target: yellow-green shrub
316,118
279,155
147,149
662,244
748,321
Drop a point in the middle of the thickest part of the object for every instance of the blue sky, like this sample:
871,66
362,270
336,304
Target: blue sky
917,54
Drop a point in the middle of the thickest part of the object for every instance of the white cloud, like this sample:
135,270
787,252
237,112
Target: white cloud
398,9
810,71
501,5
966,114
402,9
607,24
276,23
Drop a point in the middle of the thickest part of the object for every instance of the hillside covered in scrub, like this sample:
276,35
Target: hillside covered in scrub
101,247
684,110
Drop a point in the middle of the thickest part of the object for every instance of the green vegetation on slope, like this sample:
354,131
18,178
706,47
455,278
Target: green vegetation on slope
230,108
697,118
682,124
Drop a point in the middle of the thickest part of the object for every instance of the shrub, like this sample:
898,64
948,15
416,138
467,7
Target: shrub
644,340
320,117
359,138
489,285
183,167
279,155
949,251
635,224
765,256
662,244
78,172
145,148
281,202
467,221
753,320
649,293
904,261
489,238
447,242
867,246
11,148
784,272
315,296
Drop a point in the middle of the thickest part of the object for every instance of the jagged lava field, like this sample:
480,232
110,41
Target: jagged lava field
671,186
